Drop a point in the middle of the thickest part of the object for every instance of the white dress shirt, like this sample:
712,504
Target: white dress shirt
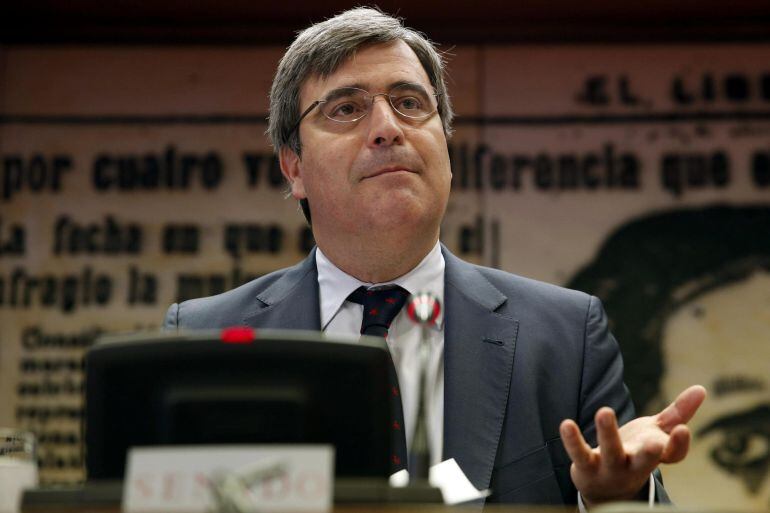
342,318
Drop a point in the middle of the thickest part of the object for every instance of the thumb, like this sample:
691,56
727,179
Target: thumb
682,409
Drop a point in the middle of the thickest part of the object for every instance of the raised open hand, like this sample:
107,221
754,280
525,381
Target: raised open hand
620,466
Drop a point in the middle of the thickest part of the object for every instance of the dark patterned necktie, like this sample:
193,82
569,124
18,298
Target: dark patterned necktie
380,308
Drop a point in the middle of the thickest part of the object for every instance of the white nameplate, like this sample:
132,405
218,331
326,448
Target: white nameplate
200,479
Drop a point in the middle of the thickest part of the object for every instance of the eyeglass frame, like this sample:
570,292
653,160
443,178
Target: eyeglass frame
316,103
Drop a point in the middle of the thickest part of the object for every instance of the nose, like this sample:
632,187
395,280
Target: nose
384,125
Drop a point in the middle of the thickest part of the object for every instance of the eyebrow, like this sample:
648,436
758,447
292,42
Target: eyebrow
416,86
339,91
730,385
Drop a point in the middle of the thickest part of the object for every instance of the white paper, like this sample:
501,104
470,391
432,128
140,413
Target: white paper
448,477
197,479
400,479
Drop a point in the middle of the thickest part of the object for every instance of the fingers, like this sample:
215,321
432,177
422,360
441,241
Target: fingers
682,409
578,450
610,445
648,457
649,441
677,446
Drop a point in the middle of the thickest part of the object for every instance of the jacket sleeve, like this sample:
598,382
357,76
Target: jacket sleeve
602,381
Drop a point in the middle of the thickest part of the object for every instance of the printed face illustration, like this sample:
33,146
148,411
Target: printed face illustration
721,339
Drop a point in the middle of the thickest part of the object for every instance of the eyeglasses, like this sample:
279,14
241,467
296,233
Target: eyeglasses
350,104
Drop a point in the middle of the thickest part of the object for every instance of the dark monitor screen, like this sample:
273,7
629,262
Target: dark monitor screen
286,387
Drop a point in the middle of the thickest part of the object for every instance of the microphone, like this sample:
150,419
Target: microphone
423,309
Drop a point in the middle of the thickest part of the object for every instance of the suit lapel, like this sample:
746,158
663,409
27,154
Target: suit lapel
291,302
479,345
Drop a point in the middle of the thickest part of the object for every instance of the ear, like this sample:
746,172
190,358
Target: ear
291,167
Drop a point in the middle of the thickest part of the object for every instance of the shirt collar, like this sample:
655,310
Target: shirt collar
335,285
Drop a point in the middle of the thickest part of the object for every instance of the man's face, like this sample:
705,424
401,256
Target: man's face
381,172
721,339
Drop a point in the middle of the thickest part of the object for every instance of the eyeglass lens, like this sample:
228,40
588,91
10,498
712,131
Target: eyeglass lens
350,104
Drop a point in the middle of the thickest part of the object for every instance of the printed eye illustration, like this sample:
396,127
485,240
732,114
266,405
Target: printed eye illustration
743,449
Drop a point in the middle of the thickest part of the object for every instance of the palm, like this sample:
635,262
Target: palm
621,464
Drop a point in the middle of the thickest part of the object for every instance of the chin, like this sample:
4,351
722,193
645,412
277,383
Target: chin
403,217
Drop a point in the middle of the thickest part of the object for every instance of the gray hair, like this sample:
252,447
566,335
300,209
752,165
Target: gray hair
322,48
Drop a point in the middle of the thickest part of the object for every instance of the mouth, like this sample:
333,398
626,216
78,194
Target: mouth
388,170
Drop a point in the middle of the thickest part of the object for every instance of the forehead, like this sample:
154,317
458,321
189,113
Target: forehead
372,67
721,337
724,328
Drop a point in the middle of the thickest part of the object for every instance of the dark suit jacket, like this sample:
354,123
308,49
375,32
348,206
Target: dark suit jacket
519,357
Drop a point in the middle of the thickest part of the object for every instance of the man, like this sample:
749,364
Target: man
360,116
